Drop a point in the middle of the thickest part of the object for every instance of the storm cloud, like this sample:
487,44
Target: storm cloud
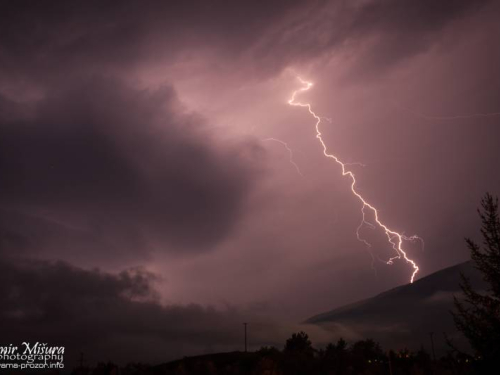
102,157
133,137
93,312
46,42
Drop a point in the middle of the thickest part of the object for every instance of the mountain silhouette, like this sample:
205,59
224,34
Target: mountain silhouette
405,316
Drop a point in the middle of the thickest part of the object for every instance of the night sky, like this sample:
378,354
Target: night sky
142,204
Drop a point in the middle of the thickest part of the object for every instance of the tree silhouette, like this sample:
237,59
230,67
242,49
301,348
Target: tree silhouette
367,349
336,356
298,356
299,343
477,316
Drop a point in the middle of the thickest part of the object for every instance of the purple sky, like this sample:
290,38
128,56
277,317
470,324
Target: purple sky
132,139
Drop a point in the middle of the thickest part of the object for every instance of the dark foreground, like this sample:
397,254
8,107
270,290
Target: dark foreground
299,357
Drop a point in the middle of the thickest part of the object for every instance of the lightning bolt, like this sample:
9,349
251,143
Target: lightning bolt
290,152
394,238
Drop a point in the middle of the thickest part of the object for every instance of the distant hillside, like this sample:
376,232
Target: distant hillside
405,315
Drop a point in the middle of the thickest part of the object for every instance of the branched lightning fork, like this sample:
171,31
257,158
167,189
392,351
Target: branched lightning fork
290,152
395,239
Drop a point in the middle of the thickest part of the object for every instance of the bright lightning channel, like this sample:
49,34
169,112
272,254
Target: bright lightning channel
395,239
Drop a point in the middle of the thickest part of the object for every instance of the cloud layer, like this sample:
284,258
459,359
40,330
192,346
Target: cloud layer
131,138
115,161
104,315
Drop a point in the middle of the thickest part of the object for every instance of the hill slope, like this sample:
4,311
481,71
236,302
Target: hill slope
405,315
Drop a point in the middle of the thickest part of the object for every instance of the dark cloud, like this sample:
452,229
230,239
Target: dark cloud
51,40
84,36
106,158
119,316
372,35
396,31
105,315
